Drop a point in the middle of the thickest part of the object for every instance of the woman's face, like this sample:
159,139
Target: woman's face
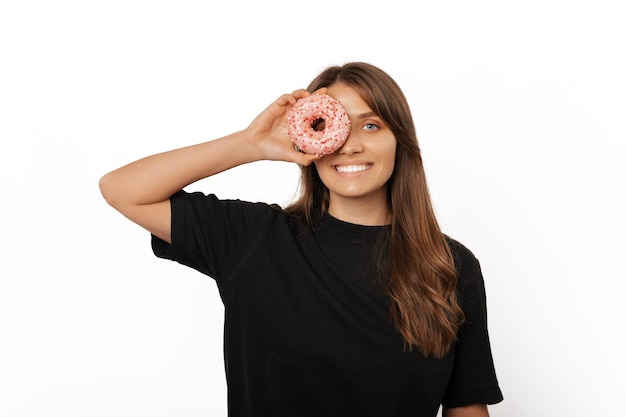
358,172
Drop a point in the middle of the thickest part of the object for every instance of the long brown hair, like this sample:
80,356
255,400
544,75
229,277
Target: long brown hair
418,274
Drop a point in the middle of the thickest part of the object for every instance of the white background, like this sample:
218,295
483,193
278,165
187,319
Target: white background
520,112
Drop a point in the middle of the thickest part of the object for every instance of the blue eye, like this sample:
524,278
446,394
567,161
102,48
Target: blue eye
370,126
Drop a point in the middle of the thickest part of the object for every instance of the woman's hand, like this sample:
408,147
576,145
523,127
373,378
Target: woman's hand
268,134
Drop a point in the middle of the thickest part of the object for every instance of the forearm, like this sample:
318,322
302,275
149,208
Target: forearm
141,190
474,410
155,178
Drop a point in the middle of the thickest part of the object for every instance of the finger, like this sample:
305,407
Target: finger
307,159
286,99
300,93
301,158
323,90
291,99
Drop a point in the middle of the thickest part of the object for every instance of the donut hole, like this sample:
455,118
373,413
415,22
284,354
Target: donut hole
318,124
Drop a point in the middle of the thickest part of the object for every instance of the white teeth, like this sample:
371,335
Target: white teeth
351,168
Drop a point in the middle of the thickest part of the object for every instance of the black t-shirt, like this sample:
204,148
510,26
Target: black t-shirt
307,326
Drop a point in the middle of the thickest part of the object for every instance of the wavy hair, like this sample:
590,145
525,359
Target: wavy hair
417,271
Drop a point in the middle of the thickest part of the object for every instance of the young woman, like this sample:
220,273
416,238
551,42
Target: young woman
349,302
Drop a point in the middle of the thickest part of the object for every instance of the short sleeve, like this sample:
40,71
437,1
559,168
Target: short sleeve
213,235
473,379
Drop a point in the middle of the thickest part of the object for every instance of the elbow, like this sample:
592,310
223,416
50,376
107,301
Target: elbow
107,189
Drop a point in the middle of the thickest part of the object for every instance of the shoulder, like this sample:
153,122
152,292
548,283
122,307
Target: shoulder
210,202
198,197
471,285
466,263
208,213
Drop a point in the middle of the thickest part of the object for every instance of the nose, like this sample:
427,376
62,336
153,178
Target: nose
352,145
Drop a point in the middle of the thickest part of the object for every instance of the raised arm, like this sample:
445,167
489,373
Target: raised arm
141,189
475,410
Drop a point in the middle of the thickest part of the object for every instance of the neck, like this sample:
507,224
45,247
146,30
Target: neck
359,211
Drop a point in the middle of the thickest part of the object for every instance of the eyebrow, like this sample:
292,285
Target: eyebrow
368,114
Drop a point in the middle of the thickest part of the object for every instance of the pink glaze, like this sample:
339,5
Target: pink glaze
306,113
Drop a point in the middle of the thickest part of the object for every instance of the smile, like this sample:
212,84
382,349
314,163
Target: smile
351,168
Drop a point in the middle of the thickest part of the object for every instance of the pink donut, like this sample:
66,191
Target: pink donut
318,124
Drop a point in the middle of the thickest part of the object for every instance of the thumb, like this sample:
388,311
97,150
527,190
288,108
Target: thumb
301,158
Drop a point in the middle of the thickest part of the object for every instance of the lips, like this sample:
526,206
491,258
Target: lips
350,169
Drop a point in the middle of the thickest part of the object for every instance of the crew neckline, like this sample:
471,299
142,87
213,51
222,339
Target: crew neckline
351,229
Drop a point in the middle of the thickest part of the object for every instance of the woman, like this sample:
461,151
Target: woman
349,302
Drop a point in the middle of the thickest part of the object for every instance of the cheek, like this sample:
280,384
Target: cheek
390,160
388,170
323,170
390,153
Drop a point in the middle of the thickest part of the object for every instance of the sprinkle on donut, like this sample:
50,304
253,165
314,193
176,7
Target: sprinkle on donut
318,124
